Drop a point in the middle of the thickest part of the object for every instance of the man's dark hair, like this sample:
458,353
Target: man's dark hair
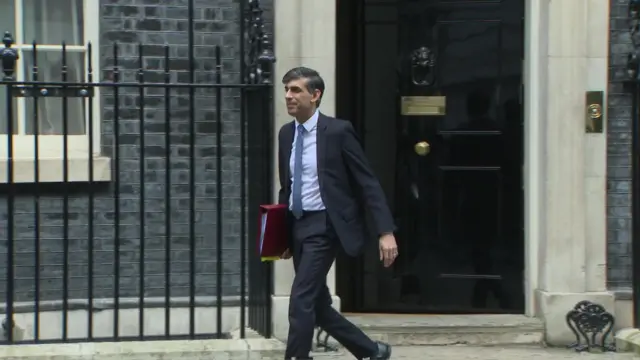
314,80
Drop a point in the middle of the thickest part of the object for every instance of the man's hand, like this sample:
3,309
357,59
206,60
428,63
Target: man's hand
286,255
388,249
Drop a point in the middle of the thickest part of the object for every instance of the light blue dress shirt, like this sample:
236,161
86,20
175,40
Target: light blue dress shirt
311,199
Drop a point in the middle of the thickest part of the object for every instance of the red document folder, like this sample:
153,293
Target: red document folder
272,233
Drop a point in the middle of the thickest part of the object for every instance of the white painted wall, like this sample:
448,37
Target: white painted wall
304,32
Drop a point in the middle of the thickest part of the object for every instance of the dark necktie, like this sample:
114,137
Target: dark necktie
296,206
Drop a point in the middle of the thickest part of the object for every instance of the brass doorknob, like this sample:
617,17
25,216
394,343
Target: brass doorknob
595,111
422,148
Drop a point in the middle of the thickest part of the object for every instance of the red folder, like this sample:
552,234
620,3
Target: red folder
272,231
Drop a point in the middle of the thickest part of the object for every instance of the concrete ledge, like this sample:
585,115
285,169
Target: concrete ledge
623,294
628,340
51,170
552,308
190,349
624,314
129,326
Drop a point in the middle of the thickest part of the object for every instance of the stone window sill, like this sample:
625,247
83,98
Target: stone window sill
51,170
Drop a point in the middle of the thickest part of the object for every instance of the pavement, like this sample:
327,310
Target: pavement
462,352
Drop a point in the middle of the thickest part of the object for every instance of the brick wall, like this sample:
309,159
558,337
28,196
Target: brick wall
153,23
619,153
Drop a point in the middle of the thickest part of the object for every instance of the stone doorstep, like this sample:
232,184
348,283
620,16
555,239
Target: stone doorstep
232,349
459,336
479,330
628,340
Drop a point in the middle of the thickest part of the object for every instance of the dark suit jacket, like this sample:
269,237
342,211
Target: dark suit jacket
345,176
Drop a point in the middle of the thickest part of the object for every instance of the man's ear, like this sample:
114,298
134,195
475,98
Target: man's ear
316,95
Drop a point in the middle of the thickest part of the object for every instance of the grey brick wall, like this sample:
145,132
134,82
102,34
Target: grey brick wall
153,23
619,153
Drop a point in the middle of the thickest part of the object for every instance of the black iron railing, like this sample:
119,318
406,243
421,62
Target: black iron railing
163,247
259,71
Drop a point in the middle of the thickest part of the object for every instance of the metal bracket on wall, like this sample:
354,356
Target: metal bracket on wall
588,321
69,91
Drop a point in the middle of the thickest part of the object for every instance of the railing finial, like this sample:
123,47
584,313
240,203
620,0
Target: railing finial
260,54
9,56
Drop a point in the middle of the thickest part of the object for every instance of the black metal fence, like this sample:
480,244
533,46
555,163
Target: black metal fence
162,248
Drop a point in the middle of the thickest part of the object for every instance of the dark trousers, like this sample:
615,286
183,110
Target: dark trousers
314,250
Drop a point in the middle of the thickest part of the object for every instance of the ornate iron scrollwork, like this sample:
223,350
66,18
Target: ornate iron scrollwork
9,56
324,343
423,62
587,321
260,57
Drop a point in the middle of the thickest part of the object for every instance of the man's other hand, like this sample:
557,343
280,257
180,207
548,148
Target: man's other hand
388,249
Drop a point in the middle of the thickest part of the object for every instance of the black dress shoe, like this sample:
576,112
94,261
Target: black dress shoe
384,352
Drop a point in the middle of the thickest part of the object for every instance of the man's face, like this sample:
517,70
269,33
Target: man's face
300,102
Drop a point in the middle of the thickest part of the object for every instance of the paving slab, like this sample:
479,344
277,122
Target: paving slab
628,340
465,352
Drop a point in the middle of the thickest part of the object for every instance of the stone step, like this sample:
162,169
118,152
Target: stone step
482,330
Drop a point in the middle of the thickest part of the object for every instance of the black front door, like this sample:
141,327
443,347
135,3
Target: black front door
455,159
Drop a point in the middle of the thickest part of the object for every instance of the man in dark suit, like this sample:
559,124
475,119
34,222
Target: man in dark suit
323,173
